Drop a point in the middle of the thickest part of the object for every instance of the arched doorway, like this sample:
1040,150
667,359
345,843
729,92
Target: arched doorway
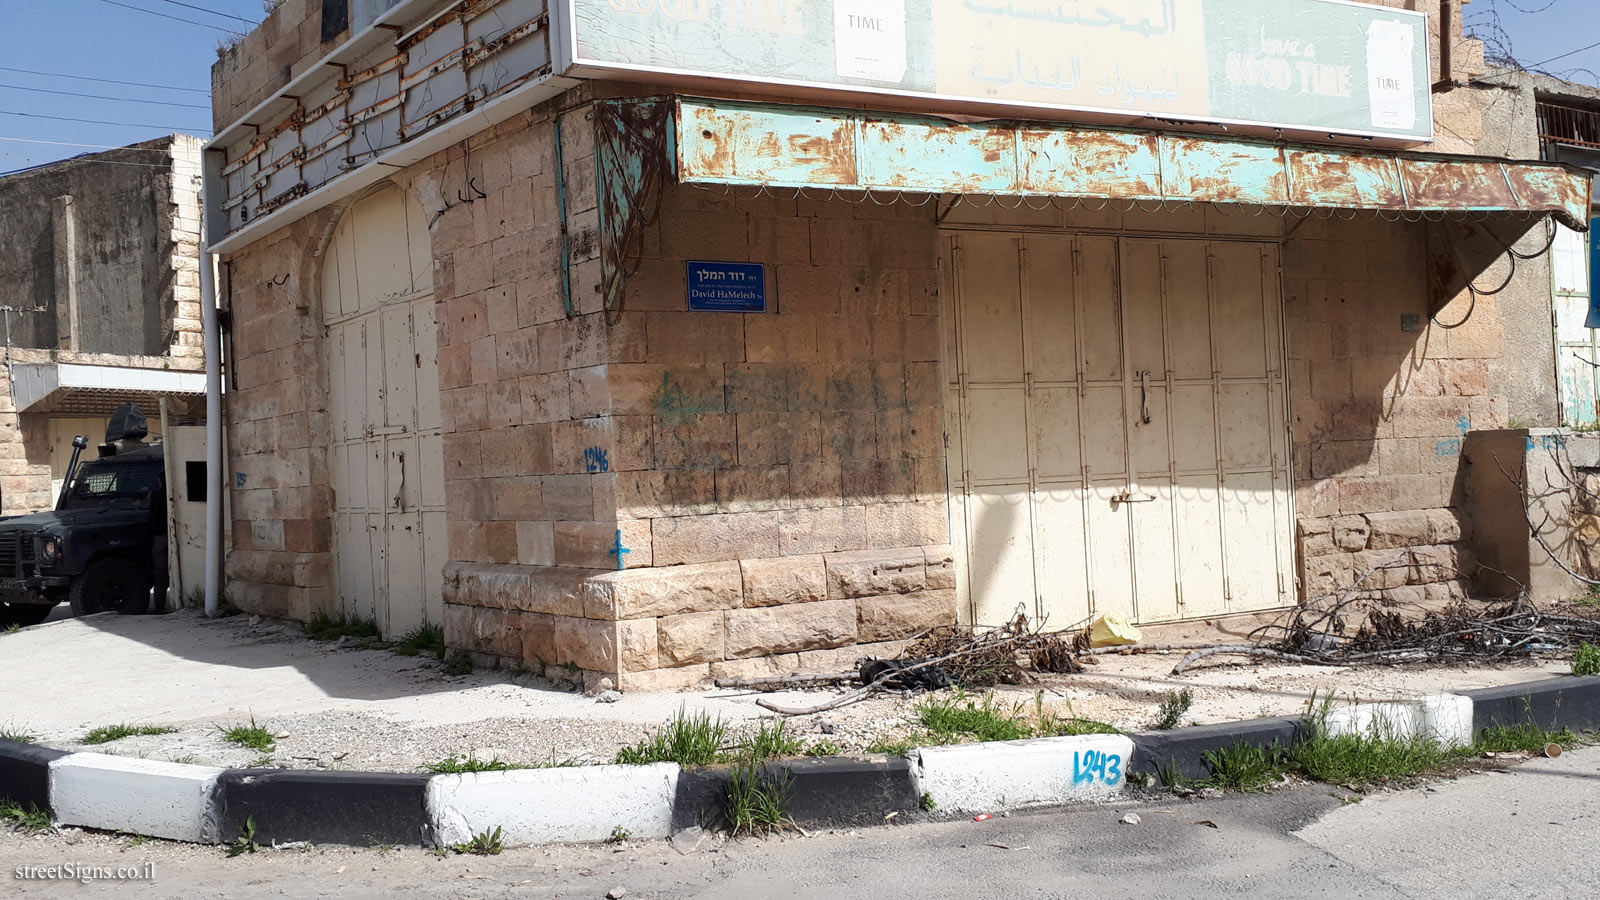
387,453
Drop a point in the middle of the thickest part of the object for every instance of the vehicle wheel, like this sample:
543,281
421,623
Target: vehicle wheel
111,585
23,614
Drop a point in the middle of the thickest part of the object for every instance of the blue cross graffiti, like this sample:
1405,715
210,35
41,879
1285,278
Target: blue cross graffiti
1464,425
619,551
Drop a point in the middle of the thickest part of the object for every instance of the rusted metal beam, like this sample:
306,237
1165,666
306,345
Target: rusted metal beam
740,143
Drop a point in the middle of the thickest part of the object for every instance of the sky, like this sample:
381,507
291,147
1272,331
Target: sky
105,39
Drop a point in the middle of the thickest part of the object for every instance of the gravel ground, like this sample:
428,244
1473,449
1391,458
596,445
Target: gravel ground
374,710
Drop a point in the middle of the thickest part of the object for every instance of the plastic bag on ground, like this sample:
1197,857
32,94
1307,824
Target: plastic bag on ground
1113,630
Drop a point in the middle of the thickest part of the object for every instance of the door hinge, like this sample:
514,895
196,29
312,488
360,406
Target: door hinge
1077,266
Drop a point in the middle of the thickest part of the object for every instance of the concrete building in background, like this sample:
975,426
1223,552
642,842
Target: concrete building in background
613,342
100,294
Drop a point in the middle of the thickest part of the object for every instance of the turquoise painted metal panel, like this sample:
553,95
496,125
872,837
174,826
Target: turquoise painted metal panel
1315,65
731,142
1071,162
1334,178
976,159
1226,171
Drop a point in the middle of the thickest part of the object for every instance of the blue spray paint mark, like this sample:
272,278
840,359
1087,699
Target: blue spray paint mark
1463,425
1450,447
238,480
1090,766
596,459
619,551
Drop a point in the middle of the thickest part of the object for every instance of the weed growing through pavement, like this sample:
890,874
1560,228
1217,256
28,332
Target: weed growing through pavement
105,734
11,629
619,835
1527,737
324,627
8,732
771,741
426,638
823,747
688,740
252,736
1174,705
1586,660
927,802
29,818
757,801
484,843
458,663
1244,767
246,841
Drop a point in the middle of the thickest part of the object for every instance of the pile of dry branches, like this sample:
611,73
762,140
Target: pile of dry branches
983,657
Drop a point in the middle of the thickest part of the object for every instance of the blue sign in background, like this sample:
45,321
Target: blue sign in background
1594,275
727,286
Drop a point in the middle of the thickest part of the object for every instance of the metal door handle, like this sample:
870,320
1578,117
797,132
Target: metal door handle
1144,396
399,496
1130,497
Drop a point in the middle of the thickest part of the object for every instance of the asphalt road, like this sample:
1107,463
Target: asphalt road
1531,832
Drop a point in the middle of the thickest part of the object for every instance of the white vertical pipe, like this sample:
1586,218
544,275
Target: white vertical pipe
213,352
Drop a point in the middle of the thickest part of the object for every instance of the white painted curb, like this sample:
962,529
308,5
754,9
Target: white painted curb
143,796
1446,718
1022,774
546,806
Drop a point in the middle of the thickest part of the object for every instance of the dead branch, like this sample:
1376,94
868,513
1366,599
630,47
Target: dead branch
1246,650
862,692
1533,529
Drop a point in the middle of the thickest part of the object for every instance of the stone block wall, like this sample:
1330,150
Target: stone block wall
1380,412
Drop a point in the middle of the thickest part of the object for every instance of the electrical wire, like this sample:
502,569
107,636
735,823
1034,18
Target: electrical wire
251,22
183,128
89,146
162,87
173,18
73,159
18,87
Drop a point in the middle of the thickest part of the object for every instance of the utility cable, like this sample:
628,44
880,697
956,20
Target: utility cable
173,18
251,22
18,87
162,87
183,128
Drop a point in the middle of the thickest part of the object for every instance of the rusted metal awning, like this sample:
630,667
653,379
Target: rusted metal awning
734,143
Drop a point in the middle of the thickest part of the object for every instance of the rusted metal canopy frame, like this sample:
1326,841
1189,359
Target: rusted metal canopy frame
631,140
771,145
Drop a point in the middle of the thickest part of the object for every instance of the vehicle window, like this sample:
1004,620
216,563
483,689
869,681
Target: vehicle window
103,483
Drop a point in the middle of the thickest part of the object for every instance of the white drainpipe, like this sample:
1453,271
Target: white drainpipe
213,352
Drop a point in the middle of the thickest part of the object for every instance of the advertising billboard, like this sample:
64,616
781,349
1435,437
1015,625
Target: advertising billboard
1305,65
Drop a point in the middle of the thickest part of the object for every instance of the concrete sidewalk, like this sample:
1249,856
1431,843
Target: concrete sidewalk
376,711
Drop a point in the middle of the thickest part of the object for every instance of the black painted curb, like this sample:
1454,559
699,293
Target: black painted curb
832,790
25,773
361,809
1565,701
1181,754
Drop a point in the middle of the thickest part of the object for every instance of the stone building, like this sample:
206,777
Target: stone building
662,366
100,293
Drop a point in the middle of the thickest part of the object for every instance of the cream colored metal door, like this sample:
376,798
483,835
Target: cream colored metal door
388,461
1095,379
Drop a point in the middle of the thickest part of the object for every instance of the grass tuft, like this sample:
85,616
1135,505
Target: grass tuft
11,629
426,638
11,733
771,741
246,841
486,843
956,716
757,802
1586,660
1527,737
29,818
823,747
324,627
251,736
688,740
1174,705
461,765
108,733
458,663
1244,767
893,746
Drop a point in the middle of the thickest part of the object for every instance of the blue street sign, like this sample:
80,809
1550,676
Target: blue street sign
727,286
1594,275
